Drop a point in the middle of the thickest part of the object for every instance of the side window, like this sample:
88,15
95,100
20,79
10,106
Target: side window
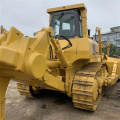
80,27
56,27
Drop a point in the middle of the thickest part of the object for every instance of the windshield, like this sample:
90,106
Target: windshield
63,24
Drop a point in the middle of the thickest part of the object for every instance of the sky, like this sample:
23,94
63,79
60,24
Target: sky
30,16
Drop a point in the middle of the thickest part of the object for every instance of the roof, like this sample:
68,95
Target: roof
108,33
115,27
79,6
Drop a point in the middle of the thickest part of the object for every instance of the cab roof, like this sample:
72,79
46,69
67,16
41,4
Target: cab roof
76,6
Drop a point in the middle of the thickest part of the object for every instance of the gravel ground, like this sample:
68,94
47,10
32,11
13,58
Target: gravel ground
57,106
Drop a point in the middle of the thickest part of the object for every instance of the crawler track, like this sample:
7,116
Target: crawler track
86,90
28,91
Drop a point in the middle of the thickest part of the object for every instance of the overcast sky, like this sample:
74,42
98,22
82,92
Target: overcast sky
29,16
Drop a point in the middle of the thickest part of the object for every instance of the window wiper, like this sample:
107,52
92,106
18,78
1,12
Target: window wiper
59,18
69,19
61,15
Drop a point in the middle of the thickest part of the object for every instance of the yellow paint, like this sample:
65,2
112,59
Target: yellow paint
27,60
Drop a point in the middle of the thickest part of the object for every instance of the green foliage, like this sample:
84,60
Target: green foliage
118,53
104,50
113,50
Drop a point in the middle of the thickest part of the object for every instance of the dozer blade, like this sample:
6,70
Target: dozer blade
3,87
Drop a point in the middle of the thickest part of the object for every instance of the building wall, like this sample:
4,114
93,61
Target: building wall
113,36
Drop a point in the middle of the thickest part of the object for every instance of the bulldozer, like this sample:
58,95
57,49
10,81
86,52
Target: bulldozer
61,57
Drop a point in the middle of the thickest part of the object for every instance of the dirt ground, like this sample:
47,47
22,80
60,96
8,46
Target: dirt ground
57,106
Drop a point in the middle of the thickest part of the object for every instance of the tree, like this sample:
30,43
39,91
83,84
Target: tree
113,50
118,53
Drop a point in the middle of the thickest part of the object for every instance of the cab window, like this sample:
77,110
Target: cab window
63,24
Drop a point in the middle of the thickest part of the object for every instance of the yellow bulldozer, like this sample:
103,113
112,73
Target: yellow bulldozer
62,58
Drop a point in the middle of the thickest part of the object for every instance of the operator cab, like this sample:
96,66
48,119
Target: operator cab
66,23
